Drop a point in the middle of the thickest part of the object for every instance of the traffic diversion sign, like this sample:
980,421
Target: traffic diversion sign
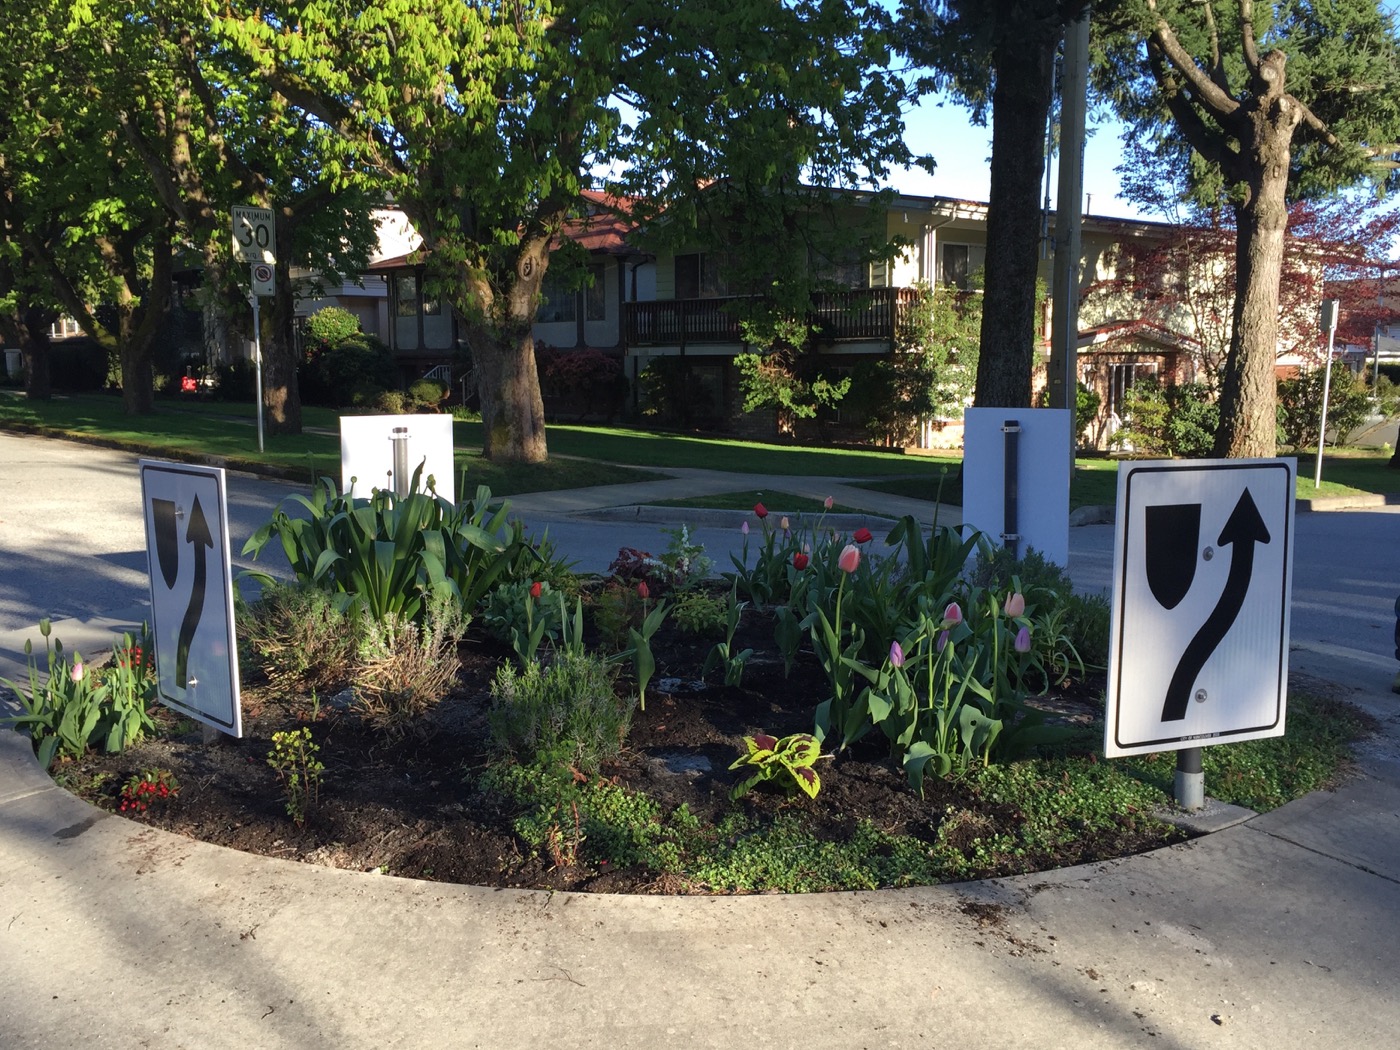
185,509
1202,583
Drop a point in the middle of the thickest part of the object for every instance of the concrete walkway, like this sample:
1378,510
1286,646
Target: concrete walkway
1281,931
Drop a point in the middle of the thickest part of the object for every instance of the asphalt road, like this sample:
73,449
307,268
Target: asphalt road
72,544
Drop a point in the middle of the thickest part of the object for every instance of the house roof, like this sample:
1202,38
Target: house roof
602,229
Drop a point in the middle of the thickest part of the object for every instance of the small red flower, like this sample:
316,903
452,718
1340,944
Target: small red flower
862,535
760,511
643,591
800,561
535,589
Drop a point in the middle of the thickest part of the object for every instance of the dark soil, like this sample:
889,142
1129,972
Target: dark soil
413,806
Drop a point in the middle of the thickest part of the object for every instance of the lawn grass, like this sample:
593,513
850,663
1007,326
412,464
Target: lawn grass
583,456
193,430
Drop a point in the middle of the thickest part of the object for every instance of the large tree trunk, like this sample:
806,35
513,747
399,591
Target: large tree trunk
1020,106
31,332
503,359
140,323
1249,387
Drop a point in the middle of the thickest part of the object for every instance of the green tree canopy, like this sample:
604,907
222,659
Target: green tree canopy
1257,104
485,122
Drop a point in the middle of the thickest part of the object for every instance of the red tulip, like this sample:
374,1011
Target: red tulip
800,561
643,591
862,535
760,511
535,589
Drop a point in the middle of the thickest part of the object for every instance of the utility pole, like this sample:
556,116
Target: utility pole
1069,217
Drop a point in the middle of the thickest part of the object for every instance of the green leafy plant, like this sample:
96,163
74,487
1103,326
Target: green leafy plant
699,613
792,756
643,661
566,711
293,757
297,632
524,614
76,707
385,554
724,652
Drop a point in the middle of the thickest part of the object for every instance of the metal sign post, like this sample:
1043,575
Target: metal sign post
1329,325
257,363
254,234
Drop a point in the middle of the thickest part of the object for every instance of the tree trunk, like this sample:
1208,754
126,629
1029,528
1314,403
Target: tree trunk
281,394
503,359
139,324
1020,106
1249,386
512,410
33,337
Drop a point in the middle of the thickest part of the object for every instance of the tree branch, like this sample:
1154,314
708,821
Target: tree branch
1208,94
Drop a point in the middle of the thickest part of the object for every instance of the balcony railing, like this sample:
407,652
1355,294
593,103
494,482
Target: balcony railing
869,315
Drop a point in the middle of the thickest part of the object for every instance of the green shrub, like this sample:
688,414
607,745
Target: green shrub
1178,420
353,371
405,668
1300,405
568,711
427,392
77,365
236,381
330,326
297,632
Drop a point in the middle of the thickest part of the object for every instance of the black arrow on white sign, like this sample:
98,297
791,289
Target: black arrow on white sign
1242,531
197,534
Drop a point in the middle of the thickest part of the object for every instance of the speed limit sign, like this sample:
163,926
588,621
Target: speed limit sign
253,235
262,280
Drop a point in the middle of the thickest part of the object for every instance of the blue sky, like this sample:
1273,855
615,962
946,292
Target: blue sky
963,150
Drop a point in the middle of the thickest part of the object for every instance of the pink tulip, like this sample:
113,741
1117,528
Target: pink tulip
1023,640
850,558
896,654
77,672
953,614
1016,605
744,528
828,503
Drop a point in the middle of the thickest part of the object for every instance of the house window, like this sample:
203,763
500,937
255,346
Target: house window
595,296
406,294
845,270
700,275
558,302
958,262
64,328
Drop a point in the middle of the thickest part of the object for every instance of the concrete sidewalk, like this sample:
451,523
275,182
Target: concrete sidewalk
1278,932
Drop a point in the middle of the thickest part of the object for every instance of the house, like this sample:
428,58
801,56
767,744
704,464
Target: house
1155,299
